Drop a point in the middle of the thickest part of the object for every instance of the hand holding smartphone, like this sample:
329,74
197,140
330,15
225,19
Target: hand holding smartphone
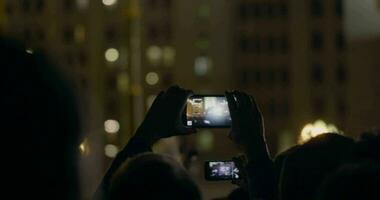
221,171
207,111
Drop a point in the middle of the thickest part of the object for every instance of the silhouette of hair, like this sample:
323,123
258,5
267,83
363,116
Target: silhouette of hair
368,147
238,194
153,176
40,126
305,168
352,182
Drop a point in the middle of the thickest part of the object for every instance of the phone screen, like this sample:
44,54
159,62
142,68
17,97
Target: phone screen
221,170
207,111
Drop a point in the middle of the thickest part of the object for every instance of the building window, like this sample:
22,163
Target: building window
203,41
243,11
110,33
258,76
244,44
244,77
270,78
40,34
40,5
166,3
284,44
284,76
340,41
27,35
167,31
271,44
168,56
68,5
203,11
316,7
341,108
68,35
25,5
283,10
319,106
341,74
152,33
9,9
257,45
339,8
269,10
202,65
152,4
154,55
317,40
82,58
317,75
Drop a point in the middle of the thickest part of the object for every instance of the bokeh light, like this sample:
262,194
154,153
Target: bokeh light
84,147
111,150
152,78
111,54
109,2
154,54
319,127
111,126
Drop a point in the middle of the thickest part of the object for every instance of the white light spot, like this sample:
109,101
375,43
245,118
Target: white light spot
111,54
152,78
111,126
111,150
154,54
202,65
109,2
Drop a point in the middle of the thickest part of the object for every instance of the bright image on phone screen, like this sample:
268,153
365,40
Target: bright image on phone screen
224,170
207,111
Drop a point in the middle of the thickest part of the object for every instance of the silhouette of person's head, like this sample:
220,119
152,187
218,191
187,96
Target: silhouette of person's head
153,176
305,168
40,127
238,194
352,182
368,147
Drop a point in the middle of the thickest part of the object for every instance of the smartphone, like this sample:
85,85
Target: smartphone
207,111
221,171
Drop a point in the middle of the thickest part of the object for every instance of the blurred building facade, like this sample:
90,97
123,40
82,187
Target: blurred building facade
293,56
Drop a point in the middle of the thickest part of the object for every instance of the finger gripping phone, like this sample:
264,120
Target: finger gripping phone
207,111
221,171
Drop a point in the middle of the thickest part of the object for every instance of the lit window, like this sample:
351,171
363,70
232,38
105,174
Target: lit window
111,126
111,54
202,65
29,51
168,56
84,147
319,127
82,4
154,54
205,140
79,33
202,42
109,2
152,78
204,11
122,82
111,150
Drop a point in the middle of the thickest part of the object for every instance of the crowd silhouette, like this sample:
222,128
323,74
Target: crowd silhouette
40,117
